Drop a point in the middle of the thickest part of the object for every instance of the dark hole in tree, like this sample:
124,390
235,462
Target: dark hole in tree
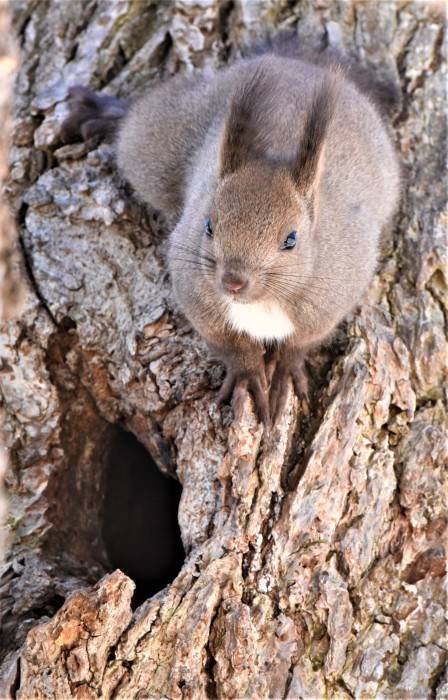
140,527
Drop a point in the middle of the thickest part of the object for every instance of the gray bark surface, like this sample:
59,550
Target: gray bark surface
10,286
315,557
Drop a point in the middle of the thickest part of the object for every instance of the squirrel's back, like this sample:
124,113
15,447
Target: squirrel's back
161,137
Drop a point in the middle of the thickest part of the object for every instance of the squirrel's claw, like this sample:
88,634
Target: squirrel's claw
268,388
279,385
235,388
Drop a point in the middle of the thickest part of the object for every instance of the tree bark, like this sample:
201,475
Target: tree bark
10,286
315,556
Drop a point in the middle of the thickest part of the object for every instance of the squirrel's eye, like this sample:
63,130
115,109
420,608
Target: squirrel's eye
208,228
290,241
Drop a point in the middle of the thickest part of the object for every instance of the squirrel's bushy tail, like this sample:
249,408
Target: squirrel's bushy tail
381,88
90,114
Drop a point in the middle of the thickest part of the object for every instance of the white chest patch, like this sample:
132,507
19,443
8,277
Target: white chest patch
261,320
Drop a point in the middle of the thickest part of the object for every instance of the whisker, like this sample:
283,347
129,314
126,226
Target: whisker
199,263
314,287
287,288
313,277
194,251
310,285
305,299
184,245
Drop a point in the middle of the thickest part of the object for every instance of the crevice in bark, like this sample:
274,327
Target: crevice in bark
162,54
16,684
289,680
143,29
31,278
344,688
227,7
309,420
210,663
247,560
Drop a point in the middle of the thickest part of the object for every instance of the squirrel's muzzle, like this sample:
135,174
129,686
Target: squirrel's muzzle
234,283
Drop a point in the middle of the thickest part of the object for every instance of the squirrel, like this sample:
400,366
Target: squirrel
281,176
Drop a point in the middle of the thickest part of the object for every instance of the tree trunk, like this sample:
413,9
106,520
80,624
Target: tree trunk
10,287
315,556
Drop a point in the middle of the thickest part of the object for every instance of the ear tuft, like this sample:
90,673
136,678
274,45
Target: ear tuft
305,165
244,139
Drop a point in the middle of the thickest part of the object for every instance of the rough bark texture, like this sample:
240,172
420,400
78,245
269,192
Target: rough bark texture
315,557
10,286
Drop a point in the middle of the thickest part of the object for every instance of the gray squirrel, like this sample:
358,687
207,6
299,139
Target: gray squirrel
281,176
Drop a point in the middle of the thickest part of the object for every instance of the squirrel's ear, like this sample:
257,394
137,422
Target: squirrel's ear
244,139
308,163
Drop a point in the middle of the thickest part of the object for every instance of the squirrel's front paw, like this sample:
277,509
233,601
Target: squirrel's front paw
238,383
290,366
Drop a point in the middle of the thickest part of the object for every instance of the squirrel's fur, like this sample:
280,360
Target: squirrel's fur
269,146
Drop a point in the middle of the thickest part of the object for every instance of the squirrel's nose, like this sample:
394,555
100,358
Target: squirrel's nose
234,283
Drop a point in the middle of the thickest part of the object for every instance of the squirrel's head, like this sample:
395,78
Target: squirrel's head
259,232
